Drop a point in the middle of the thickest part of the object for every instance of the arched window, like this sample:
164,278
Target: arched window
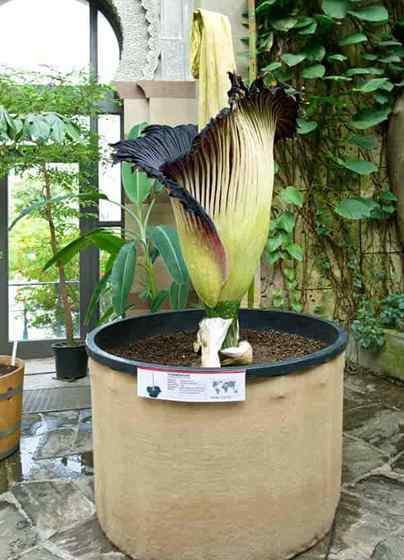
67,35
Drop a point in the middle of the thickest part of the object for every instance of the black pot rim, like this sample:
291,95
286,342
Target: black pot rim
291,365
66,346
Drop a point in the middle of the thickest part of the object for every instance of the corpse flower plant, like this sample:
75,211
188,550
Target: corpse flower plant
220,181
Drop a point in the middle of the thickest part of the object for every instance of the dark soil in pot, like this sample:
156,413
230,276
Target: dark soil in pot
177,349
70,360
4,370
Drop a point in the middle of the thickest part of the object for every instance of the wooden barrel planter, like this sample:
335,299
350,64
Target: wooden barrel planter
252,480
11,395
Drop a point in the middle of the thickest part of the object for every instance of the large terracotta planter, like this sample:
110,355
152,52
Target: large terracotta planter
254,480
11,395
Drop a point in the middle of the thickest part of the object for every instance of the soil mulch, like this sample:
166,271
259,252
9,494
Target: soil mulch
177,349
4,370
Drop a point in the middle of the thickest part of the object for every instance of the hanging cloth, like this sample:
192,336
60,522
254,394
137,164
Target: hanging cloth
212,58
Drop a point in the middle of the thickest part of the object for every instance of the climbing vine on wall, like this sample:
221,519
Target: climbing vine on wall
346,59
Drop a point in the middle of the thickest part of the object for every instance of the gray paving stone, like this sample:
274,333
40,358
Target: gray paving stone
387,493
16,532
317,552
360,458
390,549
38,553
56,443
65,419
53,505
84,539
32,424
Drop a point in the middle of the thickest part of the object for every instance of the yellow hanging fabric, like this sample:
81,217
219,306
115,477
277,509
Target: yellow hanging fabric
212,58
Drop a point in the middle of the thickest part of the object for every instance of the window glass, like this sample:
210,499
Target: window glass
108,50
109,129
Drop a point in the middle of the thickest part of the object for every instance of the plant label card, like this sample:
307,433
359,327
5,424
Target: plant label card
181,386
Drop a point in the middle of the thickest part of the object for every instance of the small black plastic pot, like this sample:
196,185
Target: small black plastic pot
71,361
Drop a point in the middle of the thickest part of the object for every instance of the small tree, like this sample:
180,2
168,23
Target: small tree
44,120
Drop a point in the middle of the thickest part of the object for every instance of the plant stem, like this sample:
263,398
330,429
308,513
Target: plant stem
63,290
227,310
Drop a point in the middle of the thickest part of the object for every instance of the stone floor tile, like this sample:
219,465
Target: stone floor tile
105,556
31,424
86,486
360,459
387,493
317,552
53,505
83,539
56,443
16,531
65,419
389,549
38,553
363,389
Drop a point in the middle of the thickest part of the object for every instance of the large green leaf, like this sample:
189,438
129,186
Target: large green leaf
136,130
295,251
304,21
364,71
335,8
99,290
359,166
158,301
367,118
136,184
337,57
179,295
100,238
374,13
271,67
166,240
309,30
89,196
315,52
36,128
304,127
292,195
286,221
312,72
367,86
358,208
293,59
122,275
364,142
353,39
265,6
284,24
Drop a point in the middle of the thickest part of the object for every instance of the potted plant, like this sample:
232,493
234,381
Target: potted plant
11,395
230,447
378,335
45,140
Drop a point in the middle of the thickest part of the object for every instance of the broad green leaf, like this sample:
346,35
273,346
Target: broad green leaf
368,86
335,8
315,52
57,128
338,78
359,166
99,290
374,14
265,6
382,98
274,243
390,59
158,301
90,196
367,118
273,257
364,71
122,275
369,56
286,221
292,59
364,142
292,195
179,295
136,184
387,86
166,240
36,128
136,130
271,67
353,39
100,238
388,195
284,24
389,43
304,22
309,30
295,251
337,57
304,127
312,72
358,208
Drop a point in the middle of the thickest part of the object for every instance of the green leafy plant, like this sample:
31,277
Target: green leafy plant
392,312
367,329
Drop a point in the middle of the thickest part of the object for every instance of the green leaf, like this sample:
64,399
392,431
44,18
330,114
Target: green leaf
179,295
295,251
359,166
390,59
158,301
358,208
274,243
304,22
286,221
337,57
292,59
99,290
388,195
374,14
335,8
367,86
57,128
166,240
304,127
36,128
292,195
312,72
309,30
100,238
369,56
338,78
136,184
122,275
364,71
274,257
265,6
137,130
271,67
353,39
315,52
284,24
367,118
382,98
364,142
